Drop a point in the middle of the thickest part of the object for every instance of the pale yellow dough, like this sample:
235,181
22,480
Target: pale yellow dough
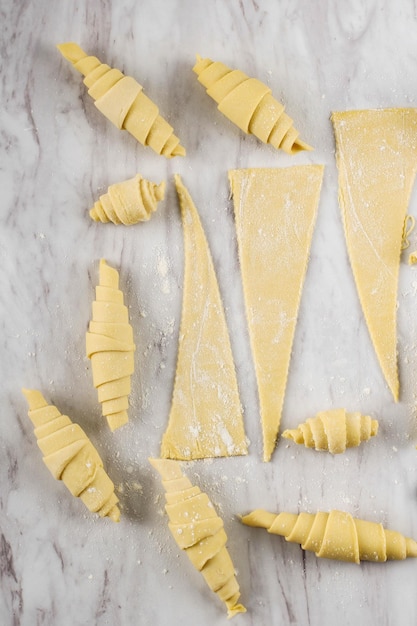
275,213
336,535
206,416
249,104
412,259
121,99
128,202
199,531
71,457
109,345
334,431
377,162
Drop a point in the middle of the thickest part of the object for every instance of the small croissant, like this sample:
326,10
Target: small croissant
249,104
336,535
109,345
129,202
334,431
199,531
71,457
121,99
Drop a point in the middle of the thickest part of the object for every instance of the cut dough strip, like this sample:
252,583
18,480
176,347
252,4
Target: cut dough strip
109,345
377,162
336,535
199,531
71,457
206,415
128,202
275,213
121,99
249,104
334,431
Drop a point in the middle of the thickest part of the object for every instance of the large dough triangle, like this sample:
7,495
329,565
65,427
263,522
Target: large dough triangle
377,161
206,414
275,211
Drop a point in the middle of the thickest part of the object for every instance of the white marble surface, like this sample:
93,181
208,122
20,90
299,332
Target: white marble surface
59,565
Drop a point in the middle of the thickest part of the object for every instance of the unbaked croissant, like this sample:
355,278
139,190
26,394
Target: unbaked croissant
109,345
129,202
199,531
336,535
249,104
334,430
71,457
121,99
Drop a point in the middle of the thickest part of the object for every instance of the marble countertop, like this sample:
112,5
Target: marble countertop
60,565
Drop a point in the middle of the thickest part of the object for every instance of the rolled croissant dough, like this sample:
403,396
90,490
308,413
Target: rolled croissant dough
198,529
334,430
336,535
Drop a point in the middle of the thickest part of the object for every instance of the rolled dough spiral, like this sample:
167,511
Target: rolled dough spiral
129,202
334,431
249,104
71,457
109,345
336,535
199,531
121,99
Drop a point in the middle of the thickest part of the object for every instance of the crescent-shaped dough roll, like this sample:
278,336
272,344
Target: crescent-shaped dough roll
334,431
336,535
121,99
205,419
128,202
275,213
199,531
377,162
249,104
109,345
71,457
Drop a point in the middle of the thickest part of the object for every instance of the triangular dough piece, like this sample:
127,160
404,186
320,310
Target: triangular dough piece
376,157
275,212
206,414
